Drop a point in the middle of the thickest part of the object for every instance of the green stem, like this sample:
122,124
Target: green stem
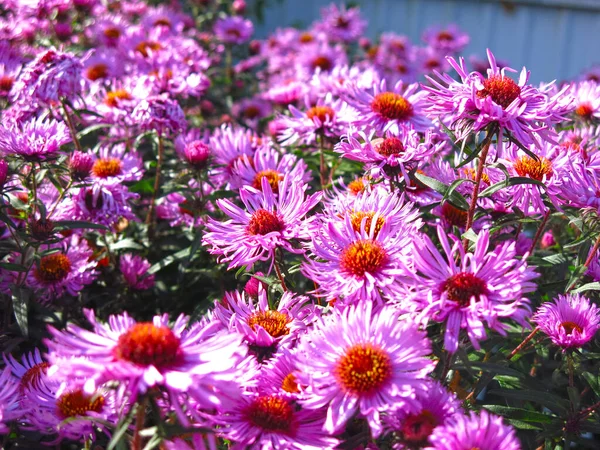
150,216
539,232
71,127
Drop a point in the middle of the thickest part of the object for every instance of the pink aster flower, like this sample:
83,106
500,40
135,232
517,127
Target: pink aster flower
464,432
135,271
251,110
114,164
392,155
160,113
360,361
29,370
35,140
9,400
448,39
389,110
229,145
279,375
80,165
267,223
581,188
570,321
412,428
261,421
586,102
233,29
483,287
359,258
475,102
341,24
143,355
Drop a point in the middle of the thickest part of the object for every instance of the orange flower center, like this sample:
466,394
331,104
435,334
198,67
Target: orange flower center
271,413
273,322
97,71
112,97
320,112
290,384
472,174
112,33
323,62
357,186
416,428
363,256
144,46
584,110
527,166
390,146
305,38
454,216
272,176
503,90
146,344
77,403
357,217
107,167
34,374
569,327
460,288
363,369
392,106
263,222
53,268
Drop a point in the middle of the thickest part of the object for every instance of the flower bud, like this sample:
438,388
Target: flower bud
197,154
251,288
3,172
80,165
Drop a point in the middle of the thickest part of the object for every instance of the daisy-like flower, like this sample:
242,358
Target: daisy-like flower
586,102
114,164
319,57
135,271
267,223
142,355
475,102
65,272
483,288
448,39
328,117
159,113
279,376
393,155
464,432
265,421
389,110
229,145
571,321
9,400
359,259
29,370
252,110
270,164
341,24
581,188
233,29
360,361
412,428
35,140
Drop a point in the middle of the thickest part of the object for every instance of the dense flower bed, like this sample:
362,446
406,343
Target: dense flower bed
308,241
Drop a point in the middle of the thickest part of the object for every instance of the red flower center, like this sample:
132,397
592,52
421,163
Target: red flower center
390,146
584,110
527,166
392,106
416,428
290,384
569,327
112,33
321,112
53,268
77,403
363,369
273,322
357,217
271,413
6,83
445,36
146,344
234,33
264,222
460,288
323,62
272,176
112,97
97,71
503,90
454,216
107,167
363,256
163,21
251,112
33,374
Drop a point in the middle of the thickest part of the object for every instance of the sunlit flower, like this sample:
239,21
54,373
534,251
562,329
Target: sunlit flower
36,140
9,400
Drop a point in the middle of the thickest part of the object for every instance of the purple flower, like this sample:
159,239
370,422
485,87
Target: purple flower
233,30
448,39
360,361
134,269
114,164
267,223
159,113
80,165
9,400
475,102
142,355
29,370
3,172
485,431
389,110
35,140
252,285
482,287
197,154
341,24
586,102
570,321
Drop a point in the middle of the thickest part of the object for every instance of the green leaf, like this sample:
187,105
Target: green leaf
181,254
455,198
593,381
514,181
551,401
20,302
77,224
595,286
126,243
524,415
92,128
13,267
142,187
495,368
